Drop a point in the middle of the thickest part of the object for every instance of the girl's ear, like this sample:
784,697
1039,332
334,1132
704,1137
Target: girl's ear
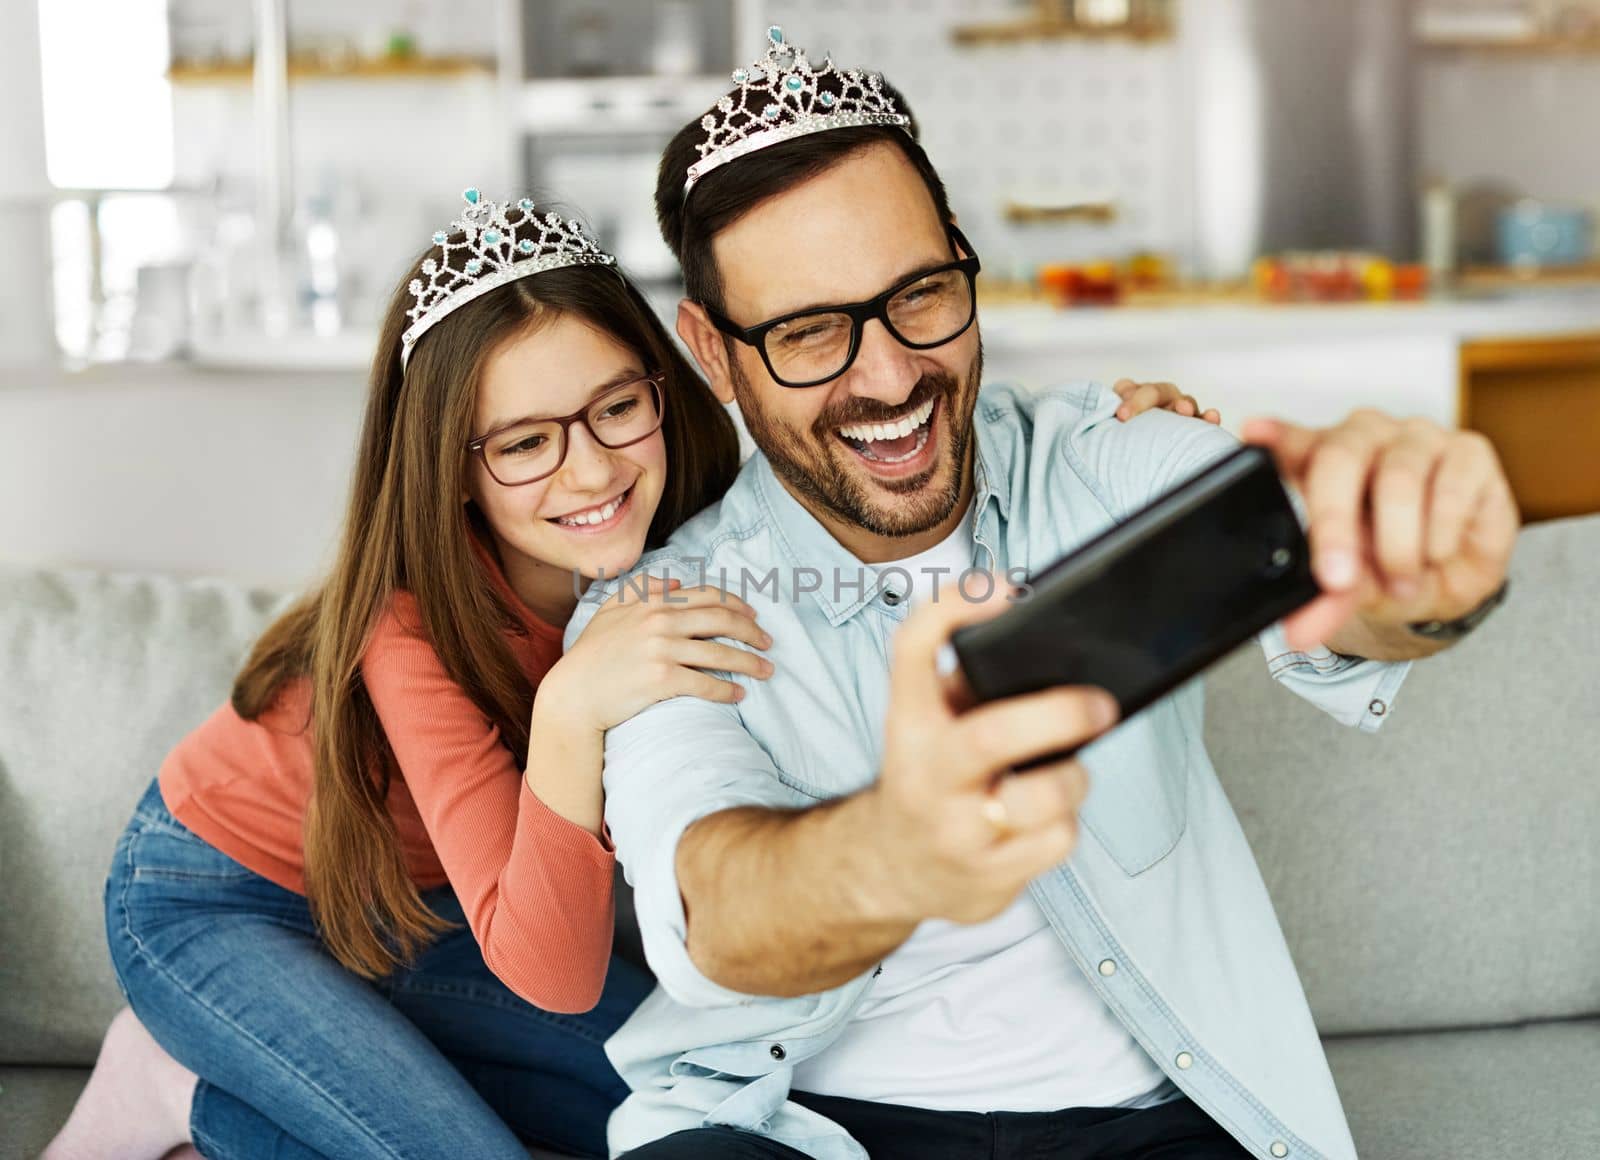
705,342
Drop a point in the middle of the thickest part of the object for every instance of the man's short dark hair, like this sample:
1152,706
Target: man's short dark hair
729,192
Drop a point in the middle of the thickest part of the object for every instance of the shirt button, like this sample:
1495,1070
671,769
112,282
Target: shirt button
777,1052
891,597
1377,708
1279,1148
1184,1061
1107,968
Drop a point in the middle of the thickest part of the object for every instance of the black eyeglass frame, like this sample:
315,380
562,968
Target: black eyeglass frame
860,313
657,381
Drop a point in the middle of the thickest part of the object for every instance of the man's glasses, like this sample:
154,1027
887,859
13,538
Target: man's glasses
529,451
812,347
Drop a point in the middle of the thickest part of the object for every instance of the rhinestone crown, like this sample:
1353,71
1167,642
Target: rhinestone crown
497,243
783,96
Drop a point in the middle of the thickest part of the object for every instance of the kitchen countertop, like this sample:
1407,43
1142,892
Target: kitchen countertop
1512,312
1009,326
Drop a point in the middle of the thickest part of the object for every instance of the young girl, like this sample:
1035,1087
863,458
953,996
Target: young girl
364,905
366,909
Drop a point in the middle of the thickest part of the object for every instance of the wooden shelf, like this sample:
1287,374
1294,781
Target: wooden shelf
1510,278
300,69
1020,31
1529,46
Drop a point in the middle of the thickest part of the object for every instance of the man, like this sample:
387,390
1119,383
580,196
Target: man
871,937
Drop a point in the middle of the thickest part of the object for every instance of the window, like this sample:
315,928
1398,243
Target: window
107,100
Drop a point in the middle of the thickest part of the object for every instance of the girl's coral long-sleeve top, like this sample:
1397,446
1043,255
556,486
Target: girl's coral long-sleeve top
537,889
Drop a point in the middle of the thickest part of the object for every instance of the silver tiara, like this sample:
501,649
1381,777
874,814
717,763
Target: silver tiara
503,242
781,97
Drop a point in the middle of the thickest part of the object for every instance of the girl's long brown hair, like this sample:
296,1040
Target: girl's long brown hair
404,529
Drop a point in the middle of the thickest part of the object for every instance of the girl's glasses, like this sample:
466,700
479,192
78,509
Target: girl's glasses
532,450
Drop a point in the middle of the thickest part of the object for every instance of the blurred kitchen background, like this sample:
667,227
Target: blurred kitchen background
1293,207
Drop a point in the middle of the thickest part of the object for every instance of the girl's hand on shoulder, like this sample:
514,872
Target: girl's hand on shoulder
637,651
1140,397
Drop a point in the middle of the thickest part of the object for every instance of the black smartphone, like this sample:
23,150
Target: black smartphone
1153,601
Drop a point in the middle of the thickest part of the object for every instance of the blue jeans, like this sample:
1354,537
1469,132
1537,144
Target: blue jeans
299,1058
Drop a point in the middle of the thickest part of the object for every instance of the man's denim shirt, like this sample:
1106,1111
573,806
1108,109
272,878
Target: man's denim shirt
1161,905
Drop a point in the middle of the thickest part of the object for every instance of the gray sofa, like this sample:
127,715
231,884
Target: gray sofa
1439,882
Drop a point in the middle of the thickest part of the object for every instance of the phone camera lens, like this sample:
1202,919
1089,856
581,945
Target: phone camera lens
1278,563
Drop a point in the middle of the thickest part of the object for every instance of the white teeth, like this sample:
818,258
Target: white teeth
872,432
597,516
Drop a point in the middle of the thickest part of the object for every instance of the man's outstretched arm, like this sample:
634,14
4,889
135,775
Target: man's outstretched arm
796,902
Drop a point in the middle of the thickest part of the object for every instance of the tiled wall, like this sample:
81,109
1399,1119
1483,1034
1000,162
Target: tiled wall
1055,120
1532,122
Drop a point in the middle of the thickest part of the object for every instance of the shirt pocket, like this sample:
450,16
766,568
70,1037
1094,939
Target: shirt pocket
1138,803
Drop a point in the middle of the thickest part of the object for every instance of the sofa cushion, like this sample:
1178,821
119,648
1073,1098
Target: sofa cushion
1444,871
1473,1095
34,1103
102,676
1465,1095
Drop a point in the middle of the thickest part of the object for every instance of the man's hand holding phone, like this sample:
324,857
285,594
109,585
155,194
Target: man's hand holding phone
959,838
1408,522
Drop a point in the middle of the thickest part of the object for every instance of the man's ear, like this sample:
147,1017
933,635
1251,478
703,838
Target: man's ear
705,342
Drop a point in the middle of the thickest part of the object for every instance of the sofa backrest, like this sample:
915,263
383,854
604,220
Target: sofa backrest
1444,871
100,675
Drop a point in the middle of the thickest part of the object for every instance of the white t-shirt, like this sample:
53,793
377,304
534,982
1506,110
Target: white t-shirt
988,1017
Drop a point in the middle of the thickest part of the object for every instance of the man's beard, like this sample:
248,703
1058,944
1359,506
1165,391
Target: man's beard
810,463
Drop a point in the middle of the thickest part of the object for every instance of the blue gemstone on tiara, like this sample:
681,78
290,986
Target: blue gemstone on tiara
471,195
491,237
775,34
525,205
771,112
440,237
526,245
740,75
474,266
826,100
793,83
